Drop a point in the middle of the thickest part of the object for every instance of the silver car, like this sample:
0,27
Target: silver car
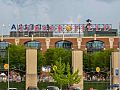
74,88
52,88
32,88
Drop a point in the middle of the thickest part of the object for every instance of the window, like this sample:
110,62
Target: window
63,44
94,45
3,45
34,44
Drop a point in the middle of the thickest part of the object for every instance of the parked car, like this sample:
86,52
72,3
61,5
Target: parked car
74,88
52,88
32,88
12,89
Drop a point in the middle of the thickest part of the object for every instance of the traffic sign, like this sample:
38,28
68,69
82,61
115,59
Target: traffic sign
5,66
97,69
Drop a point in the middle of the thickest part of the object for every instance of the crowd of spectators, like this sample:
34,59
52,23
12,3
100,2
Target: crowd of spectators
45,77
96,76
13,76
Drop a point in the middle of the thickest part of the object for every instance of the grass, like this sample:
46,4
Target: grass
41,85
96,85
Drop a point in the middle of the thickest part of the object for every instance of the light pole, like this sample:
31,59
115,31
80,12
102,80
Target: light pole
8,68
119,54
110,71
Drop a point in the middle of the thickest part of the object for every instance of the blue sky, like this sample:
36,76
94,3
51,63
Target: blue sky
59,12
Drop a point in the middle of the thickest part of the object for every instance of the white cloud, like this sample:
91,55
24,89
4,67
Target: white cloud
108,1
27,11
59,11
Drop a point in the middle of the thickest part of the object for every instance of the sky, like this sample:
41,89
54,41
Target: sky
58,12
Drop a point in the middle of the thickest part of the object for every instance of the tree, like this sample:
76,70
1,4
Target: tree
72,78
97,59
53,54
58,75
62,74
17,56
40,60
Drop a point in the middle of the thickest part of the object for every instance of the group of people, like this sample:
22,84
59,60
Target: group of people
13,76
95,77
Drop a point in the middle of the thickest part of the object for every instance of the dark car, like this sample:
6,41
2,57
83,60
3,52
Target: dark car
32,88
52,88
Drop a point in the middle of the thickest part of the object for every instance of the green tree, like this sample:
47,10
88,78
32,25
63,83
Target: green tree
97,59
72,78
62,74
53,54
40,60
17,56
58,75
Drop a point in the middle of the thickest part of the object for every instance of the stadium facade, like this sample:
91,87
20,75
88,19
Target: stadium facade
90,37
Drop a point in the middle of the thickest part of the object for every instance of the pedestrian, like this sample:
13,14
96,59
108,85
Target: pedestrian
91,88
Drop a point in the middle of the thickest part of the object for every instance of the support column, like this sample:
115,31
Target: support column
31,67
17,41
79,40
115,69
2,38
77,64
111,40
47,42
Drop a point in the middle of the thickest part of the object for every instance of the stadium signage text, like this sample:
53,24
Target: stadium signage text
61,27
